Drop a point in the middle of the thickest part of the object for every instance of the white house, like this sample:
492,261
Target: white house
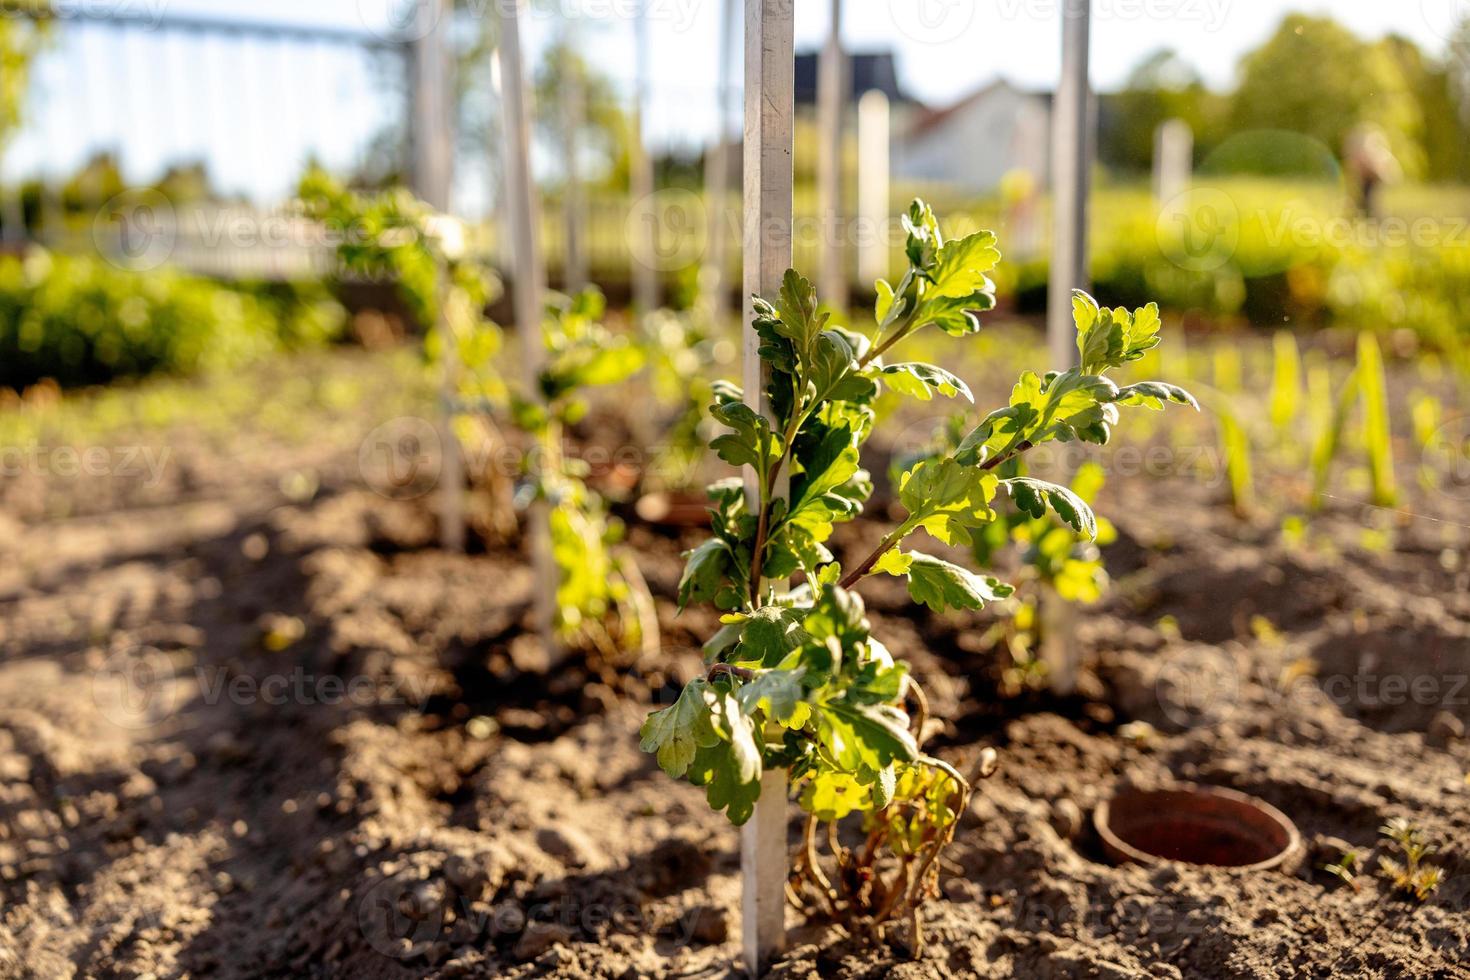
972,144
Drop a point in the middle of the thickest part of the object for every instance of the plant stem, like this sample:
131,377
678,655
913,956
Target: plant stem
878,350
852,577
757,554
730,670
893,537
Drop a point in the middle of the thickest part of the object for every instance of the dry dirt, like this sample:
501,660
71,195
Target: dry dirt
262,727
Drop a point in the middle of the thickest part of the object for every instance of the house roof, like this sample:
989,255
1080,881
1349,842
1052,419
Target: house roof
867,70
935,118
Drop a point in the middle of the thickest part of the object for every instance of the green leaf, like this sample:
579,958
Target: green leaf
588,366
1153,394
797,306
881,680
922,380
769,634
716,770
884,787
1143,332
676,732
1003,430
831,795
1034,496
705,572
827,465
942,585
1099,336
732,724
923,239
830,359
1109,338
778,693
871,735
752,443
959,272
883,305
893,562
946,499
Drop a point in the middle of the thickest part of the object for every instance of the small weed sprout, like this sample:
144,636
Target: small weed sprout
1346,869
1414,875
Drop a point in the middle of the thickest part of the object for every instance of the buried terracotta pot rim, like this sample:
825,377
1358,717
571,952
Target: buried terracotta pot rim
1197,825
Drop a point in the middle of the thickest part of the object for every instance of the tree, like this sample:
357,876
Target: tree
604,134
1162,86
1316,78
20,38
1446,135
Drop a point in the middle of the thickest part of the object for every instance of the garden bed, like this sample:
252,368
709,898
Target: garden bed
352,759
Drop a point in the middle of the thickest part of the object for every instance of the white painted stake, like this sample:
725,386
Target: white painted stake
645,277
770,84
1173,159
714,290
433,167
1071,174
831,101
523,209
574,203
874,133
1071,168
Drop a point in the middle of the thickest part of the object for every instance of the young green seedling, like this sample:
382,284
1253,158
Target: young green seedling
1056,559
601,597
798,680
1377,434
601,600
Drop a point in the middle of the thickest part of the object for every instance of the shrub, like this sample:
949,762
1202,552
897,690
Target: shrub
79,320
797,680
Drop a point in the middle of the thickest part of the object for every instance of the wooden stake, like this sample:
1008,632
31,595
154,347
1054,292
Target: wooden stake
874,132
714,290
1173,159
1071,172
574,204
770,82
831,102
1071,176
433,164
645,278
529,281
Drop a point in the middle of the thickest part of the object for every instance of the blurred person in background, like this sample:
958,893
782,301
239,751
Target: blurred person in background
1370,165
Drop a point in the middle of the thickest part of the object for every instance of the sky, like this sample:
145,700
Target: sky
255,111
945,47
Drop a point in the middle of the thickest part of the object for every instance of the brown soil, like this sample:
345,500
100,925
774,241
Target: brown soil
251,727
